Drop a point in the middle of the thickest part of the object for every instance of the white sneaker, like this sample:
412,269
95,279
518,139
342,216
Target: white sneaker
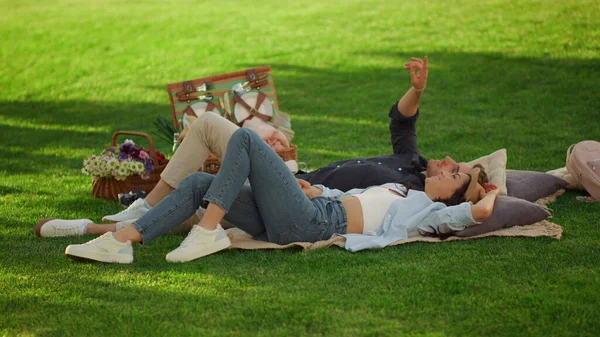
134,211
51,227
123,224
104,248
200,242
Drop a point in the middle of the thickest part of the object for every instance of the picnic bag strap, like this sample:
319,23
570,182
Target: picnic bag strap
259,100
189,111
569,154
210,106
252,111
251,75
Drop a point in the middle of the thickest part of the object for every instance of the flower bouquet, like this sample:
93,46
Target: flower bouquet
130,160
124,168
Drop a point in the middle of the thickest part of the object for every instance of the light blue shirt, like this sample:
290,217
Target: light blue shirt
406,217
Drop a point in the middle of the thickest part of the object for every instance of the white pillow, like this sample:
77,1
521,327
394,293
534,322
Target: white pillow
495,167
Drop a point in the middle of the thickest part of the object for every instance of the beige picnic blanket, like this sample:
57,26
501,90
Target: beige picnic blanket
242,240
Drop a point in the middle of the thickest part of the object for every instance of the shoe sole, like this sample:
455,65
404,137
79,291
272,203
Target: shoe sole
115,219
99,257
222,244
38,227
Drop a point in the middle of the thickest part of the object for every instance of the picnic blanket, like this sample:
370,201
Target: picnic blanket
242,240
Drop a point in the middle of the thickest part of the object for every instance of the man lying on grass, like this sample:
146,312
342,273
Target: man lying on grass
210,133
281,209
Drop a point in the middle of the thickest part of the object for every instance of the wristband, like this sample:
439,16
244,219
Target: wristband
417,90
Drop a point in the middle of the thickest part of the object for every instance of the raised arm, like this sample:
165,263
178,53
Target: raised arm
456,218
409,103
484,207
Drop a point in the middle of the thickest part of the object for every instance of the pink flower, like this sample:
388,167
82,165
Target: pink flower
144,155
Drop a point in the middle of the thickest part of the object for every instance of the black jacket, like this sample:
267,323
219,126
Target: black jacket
404,166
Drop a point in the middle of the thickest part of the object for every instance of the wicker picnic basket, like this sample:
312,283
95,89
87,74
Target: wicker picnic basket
183,95
109,188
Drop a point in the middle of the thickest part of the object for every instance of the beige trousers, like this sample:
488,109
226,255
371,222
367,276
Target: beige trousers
210,133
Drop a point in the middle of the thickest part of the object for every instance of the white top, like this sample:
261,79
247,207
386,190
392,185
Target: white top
375,202
407,217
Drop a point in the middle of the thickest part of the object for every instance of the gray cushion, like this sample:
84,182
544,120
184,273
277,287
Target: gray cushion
531,185
508,212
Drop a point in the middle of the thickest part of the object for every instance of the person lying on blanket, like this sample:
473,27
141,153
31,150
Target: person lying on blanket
210,133
281,209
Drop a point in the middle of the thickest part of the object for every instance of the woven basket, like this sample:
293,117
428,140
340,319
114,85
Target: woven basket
109,188
213,164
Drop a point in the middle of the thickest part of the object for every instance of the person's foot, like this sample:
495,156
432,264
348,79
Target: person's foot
50,227
134,211
104,248
200,242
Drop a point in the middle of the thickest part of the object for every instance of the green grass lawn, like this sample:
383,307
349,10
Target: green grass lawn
520,75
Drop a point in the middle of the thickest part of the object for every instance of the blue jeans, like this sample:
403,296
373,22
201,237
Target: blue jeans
274,209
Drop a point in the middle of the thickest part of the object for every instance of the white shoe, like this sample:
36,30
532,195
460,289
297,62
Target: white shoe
51,227
200,242
123,224
134,211
104,248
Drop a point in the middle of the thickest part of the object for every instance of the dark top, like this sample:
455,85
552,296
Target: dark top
404,166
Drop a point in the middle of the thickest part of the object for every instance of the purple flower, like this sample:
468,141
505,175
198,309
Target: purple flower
134,152
125,147
148,164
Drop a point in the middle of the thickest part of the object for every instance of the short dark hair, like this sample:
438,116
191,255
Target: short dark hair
483,177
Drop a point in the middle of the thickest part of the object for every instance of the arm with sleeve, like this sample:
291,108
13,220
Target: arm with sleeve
406,217
449,219
403,131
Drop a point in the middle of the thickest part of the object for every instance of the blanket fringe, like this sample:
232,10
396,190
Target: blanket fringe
543,202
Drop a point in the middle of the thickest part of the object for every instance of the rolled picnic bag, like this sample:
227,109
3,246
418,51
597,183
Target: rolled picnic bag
583,162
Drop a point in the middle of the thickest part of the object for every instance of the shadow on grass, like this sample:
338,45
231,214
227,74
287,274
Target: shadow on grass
273,287
524,104
5,190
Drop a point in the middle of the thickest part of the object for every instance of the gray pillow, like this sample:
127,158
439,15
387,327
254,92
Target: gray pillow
508,212
531,185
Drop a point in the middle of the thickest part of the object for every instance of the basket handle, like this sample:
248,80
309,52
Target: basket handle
151,150
569,154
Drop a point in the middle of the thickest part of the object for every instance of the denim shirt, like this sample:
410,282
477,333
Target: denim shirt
406,217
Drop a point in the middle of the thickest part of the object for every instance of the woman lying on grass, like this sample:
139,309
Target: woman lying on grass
281,209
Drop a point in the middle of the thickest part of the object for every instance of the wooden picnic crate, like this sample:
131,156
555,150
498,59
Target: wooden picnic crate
184,95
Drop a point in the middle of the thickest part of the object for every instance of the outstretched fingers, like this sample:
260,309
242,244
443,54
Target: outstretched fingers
413,74
409,65
416,59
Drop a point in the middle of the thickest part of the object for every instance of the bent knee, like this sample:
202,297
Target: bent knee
199,180
205,120
245,134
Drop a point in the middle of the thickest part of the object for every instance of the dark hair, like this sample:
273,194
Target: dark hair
456,198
